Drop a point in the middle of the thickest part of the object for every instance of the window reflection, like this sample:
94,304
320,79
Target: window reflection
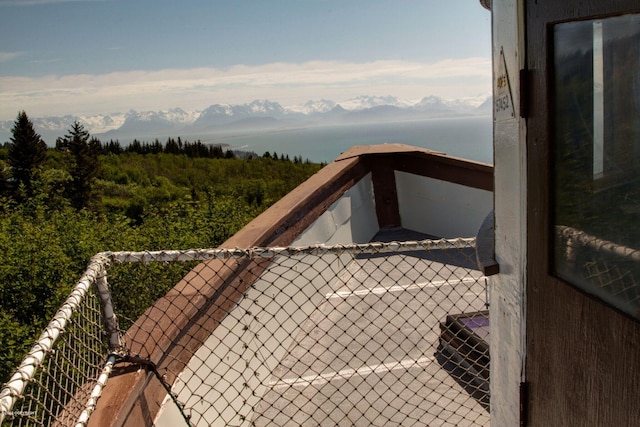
596,149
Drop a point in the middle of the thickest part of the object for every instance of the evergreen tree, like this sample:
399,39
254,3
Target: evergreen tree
85,166
135,147
61,144
156,147
27,152
171,147
95,146
215,152
113,147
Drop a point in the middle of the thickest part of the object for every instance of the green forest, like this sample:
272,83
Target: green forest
60,206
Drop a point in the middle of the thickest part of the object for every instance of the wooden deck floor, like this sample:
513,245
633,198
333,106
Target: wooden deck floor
367,355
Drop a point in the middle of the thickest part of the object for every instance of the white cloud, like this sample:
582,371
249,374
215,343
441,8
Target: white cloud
8,56
200,87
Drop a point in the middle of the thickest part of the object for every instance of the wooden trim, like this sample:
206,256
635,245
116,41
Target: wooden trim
386,195
451,169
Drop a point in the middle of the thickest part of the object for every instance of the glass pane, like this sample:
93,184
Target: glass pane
596,163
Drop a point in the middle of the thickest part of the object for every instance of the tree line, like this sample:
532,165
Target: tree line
171,146
27,153
176,146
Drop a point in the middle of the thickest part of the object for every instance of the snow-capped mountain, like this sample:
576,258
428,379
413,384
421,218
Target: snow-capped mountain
263,108
144,123
312,107
102,123
259,114
220,114
363,102
173,116
469,104
486,107
432,103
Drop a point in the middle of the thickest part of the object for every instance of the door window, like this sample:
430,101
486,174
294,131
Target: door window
596,158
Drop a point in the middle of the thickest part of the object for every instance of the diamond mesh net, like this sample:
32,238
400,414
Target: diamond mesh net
375,334
58,385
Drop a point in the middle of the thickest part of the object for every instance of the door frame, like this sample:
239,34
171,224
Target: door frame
579,351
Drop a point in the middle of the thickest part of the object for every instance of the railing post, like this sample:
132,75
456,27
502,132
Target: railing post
109,316
83,420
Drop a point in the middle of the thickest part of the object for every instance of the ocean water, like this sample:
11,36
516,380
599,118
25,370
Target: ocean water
467,137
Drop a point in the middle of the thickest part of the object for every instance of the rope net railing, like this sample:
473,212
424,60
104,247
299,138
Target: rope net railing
55,381
373,334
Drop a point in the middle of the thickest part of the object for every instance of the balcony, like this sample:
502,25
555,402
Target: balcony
357,299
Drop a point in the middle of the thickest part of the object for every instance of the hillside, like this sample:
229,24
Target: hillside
140,202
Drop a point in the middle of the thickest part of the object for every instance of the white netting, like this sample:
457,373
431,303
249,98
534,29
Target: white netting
55,381
373,334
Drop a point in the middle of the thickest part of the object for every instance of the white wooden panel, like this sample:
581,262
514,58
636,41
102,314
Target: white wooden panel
441,208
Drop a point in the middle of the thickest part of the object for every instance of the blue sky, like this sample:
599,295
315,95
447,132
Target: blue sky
101,56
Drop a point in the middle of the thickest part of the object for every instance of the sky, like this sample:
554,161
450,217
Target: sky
86,57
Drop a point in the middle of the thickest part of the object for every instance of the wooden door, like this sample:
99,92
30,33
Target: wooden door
582,363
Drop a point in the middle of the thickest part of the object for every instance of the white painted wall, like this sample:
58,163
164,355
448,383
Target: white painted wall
507,289
337,226
441,208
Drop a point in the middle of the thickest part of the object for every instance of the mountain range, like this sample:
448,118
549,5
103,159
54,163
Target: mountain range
259,114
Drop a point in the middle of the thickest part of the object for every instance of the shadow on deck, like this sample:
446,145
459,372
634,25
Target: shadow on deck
335,340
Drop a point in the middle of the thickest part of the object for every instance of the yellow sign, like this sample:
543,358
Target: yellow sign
502,99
